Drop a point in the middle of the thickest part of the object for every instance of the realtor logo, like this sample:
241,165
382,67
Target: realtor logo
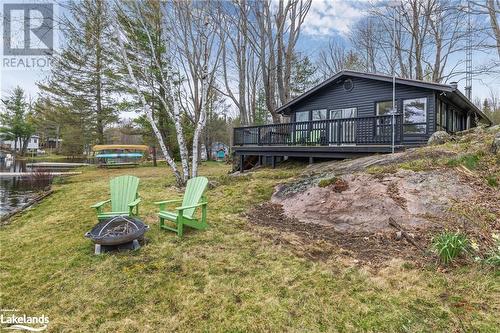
28,29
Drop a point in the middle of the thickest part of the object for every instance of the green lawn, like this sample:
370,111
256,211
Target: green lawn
225,279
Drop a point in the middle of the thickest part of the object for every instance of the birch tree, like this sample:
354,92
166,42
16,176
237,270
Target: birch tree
196,50
140,66
145,106
186,35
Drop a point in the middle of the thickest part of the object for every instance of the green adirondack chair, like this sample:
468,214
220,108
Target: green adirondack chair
124,198
184,215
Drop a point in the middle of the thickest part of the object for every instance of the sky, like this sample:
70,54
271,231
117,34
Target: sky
326,19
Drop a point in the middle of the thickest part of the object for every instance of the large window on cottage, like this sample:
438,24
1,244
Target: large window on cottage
415,116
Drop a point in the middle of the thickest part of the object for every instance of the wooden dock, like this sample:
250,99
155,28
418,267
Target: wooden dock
29,174
56,165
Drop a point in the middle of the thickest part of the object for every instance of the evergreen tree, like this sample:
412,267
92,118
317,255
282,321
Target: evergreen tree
82,75
261,115
16,122
303,75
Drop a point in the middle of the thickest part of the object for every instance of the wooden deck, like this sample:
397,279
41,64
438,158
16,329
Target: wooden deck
315,151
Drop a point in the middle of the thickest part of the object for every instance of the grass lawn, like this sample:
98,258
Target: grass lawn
226,279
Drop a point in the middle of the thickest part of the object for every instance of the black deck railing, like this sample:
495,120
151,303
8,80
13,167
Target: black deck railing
373,130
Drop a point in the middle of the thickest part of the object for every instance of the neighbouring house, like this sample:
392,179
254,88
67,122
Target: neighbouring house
51,143
350,114
32,146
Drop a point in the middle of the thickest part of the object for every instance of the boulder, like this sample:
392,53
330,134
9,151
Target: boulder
495,145
438,138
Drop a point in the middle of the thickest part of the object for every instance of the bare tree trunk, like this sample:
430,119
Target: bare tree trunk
493,11
200,125
154,156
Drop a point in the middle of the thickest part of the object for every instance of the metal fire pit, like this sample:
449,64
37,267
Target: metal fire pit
117,230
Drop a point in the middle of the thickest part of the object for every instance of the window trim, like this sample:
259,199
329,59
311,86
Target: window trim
378,121
404,123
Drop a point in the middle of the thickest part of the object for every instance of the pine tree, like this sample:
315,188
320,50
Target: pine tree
82,75
303,75
16,122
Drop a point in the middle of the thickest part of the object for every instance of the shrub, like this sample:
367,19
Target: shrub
39,179
450,245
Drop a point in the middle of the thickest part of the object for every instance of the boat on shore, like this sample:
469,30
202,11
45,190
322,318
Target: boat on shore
119,155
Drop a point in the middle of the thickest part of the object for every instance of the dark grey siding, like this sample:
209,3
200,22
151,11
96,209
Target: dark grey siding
364,95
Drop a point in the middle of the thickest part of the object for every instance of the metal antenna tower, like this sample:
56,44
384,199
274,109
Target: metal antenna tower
468,55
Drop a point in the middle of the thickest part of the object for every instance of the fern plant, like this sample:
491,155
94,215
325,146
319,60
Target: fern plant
450,245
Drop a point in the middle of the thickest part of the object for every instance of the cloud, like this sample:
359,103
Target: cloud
330,17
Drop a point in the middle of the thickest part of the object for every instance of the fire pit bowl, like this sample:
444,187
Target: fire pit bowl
117,230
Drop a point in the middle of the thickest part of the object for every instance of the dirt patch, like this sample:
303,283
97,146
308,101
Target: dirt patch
317,241
393,193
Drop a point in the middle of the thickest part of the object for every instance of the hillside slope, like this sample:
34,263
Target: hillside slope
424,191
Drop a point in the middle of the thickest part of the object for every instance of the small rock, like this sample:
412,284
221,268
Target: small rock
399,235
438,138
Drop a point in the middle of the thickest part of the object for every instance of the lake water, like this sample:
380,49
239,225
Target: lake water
16,191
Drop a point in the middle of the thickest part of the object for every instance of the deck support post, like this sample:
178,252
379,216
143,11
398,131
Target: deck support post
311,160
274,162
242,159
260,160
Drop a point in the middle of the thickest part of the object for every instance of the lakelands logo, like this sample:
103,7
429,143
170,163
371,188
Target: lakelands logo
28,35
23,322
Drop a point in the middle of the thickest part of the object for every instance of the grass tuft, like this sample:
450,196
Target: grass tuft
450,246
470,161
327,181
